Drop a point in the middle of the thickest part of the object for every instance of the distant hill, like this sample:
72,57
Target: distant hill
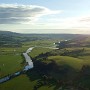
8,33
54,36
8,38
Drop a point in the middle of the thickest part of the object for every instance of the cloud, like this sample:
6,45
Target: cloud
80,22
14,13
85,19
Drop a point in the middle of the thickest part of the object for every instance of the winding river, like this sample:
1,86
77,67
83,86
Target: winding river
27,67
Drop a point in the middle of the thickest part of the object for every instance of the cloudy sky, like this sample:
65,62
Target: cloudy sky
45,16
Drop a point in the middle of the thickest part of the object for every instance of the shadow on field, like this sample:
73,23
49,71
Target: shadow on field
40,74
59,76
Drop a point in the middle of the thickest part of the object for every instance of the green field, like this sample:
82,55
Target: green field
7,51
19,83
70,61
22,83
45,43
10,64
11,60
38,50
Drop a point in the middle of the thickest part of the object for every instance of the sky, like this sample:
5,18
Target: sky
45,16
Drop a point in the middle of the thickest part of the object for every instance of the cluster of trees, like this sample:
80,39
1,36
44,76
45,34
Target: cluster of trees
80,41
73,53
63,52
62,76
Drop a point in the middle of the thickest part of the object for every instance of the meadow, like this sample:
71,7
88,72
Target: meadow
22,83
64,67
66,60
10,64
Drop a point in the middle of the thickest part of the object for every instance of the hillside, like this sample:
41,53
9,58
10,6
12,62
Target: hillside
69,61
13,39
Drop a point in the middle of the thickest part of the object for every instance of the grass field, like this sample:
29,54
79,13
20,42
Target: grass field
10,64
7,51
85,54
10,60
22,83
19,83
66,60
45,43
38,50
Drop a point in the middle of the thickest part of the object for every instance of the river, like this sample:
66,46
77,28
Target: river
28,59
27,67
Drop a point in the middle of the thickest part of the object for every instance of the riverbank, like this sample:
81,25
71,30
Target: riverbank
27,67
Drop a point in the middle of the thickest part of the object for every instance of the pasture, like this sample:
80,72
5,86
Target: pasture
38,50
66,60
10,64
